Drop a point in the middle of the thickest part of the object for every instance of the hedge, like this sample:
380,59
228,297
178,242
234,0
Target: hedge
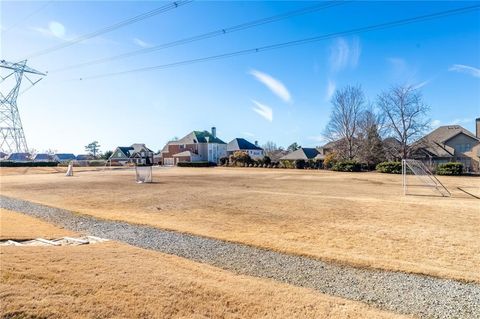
452,168
196,164
347,166
27,164
390,167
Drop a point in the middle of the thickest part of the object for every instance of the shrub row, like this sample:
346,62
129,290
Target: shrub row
27,164
390,167
347,166
196,164
452,168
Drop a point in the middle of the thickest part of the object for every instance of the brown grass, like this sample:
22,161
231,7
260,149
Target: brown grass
354,218
113,280
18,226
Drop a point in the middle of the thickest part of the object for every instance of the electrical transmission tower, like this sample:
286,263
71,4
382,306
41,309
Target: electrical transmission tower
12,138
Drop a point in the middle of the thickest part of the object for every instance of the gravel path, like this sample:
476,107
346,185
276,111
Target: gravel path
417,295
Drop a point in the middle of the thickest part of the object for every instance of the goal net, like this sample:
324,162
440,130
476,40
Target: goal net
143,174
423,178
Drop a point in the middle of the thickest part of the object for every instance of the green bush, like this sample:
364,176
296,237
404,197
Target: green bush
224,161
196,164
27,164
389,167
266,160
286,164
300,164
347,166
452,168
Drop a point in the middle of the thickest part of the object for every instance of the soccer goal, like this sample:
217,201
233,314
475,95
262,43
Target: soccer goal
143,174
423,177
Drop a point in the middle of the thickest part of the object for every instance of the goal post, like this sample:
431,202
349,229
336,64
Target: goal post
143,174
423,175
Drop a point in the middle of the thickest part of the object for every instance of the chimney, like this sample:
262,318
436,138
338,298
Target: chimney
214,132
256,143
477,126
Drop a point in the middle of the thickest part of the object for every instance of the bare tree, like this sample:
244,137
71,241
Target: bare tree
270,147
348,105
405,115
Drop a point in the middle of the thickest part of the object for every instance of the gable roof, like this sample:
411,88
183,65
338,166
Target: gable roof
84,157
444,133
238,144
138,147
43,157
434,142
65,156
19,157
302,153
198,137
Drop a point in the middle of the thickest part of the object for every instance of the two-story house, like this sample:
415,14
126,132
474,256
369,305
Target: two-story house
450,143
196,146
136,153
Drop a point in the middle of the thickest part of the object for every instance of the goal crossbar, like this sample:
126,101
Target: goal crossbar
423,174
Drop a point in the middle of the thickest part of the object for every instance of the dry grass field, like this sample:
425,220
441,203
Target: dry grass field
112,280
355,218
16,226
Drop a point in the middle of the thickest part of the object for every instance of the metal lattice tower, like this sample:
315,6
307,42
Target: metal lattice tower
12,138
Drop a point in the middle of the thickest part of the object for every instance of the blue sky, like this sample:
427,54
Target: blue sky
279,95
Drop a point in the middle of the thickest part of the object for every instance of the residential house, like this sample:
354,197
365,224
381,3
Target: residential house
196,146
240,144
43,157
19,157
450,143
84,157
64,157
136,153
303,153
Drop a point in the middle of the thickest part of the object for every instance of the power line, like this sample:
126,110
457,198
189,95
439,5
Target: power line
208,35
113,27
39,9
295,42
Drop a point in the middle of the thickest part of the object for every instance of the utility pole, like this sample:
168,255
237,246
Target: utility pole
12,137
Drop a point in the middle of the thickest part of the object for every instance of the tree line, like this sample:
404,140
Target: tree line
374,132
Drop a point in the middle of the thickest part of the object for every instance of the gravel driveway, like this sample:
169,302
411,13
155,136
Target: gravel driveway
417,295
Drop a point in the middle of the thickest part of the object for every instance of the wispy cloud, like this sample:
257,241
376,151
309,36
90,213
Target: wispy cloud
344,54
54,30
141,43
331,86
277,87
421,84
248,134
263,110
473,71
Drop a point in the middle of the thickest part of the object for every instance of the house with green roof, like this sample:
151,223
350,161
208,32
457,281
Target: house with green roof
197,146
241,144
